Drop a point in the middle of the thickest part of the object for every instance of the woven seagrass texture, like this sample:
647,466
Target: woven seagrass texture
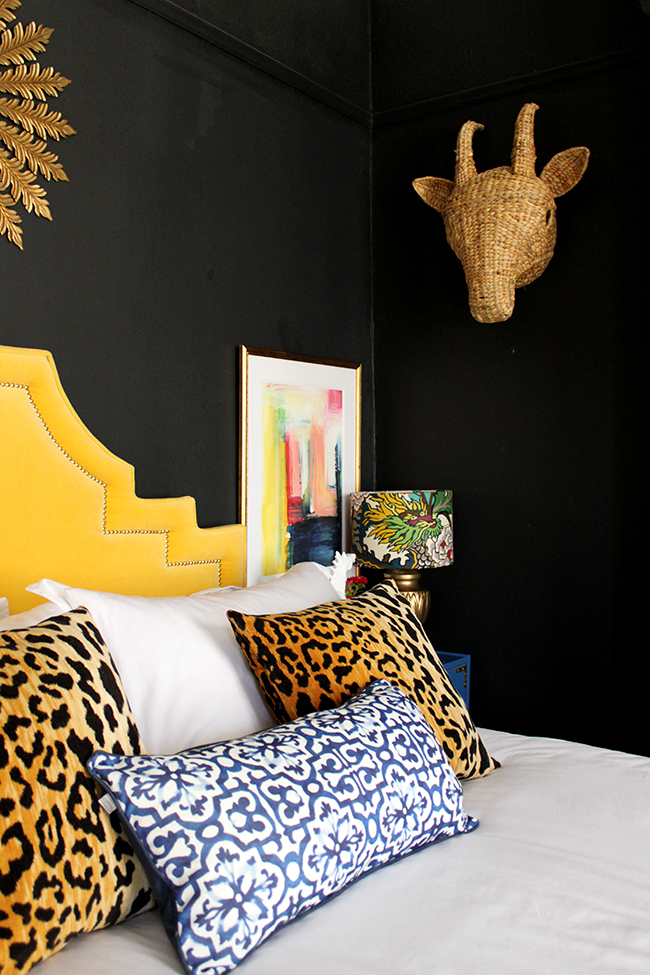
501,223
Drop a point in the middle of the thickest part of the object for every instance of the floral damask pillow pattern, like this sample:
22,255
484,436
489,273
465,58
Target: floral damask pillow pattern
241,837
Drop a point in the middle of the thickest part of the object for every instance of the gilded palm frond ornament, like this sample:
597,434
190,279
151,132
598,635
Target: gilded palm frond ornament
26,121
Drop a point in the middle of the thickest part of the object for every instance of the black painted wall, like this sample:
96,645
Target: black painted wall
422,51
242,173
538,423
209,205
325,43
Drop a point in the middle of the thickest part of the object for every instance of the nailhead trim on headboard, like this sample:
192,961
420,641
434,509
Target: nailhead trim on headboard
105,530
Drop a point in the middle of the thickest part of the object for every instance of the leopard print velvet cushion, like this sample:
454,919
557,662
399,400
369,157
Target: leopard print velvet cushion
65,866
317,658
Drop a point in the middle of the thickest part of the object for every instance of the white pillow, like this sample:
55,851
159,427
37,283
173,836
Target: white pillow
4,607
185,677
30,617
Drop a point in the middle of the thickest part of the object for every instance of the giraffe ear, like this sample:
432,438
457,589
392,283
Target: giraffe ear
565,170
434,190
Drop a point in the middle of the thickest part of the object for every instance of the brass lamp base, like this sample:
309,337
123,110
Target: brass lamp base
407,581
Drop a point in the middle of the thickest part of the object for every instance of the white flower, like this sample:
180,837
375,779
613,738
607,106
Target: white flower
339,571
441,548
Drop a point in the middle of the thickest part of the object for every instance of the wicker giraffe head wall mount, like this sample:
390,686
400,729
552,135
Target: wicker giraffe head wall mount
501,222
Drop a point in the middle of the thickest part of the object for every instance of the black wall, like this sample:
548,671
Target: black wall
209,205
424,51
325,44
242,174
538,423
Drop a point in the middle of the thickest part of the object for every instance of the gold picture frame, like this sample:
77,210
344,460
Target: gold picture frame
300,453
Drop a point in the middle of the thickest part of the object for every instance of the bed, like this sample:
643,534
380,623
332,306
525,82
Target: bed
556,878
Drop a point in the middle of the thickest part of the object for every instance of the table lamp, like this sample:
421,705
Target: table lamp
404,532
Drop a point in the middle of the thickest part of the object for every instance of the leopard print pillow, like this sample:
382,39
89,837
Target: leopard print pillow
65,865
317,658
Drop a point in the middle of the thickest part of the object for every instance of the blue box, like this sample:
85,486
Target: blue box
457,666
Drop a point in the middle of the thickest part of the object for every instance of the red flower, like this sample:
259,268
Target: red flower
354,585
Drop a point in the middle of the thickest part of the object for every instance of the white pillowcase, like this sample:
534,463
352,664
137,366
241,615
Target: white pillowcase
30,617
185,677
4,607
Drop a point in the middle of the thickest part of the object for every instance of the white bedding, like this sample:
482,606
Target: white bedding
556,881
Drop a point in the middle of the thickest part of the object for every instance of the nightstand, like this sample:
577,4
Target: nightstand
457,666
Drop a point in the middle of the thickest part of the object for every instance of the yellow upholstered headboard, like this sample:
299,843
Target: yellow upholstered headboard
68,509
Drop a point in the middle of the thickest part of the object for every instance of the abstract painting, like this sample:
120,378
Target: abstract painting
300,458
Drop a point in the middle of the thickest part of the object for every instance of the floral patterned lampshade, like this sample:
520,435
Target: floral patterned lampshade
403,529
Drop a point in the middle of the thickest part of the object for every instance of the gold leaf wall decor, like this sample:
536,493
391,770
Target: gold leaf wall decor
26,121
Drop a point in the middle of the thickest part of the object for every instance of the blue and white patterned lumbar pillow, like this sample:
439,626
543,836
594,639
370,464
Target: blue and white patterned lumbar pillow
243,836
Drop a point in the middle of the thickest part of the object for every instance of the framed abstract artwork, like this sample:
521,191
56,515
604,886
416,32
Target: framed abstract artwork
300,454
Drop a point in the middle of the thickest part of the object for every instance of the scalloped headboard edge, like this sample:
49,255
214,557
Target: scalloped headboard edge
68,508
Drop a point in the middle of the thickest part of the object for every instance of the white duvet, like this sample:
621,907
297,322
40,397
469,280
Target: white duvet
556,881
